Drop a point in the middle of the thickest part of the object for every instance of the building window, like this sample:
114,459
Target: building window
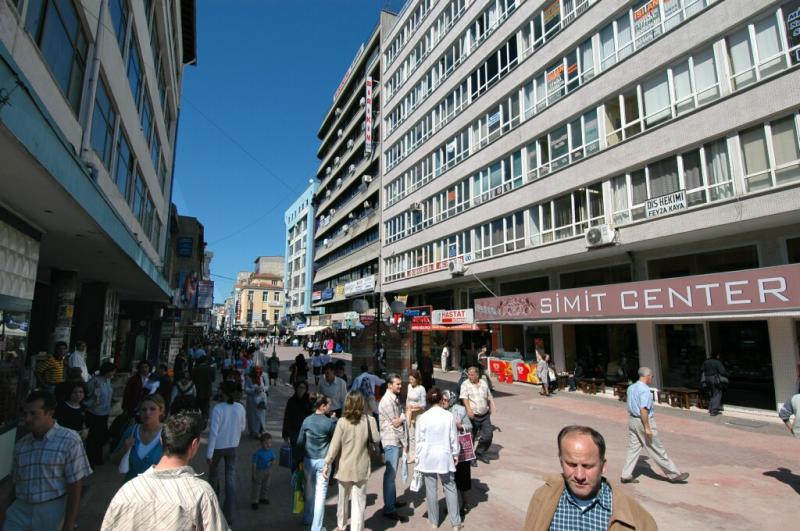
276,296
756,51
567,216
147,220
771,154
265,296
264,318
119,19
147,120
138,196
276,316
124,167
162,174
135,73
103,120
155,236
56,28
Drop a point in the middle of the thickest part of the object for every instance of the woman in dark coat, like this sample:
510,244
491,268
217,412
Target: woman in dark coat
298,407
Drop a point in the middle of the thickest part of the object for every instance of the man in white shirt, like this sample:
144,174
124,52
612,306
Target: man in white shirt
228,421
183,501
77,358
334,388
478,400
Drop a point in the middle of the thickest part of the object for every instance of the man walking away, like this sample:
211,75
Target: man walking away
99,392
581,498
169,496
393,438
643,433
716,378
477,399
49,467
228,421
203,376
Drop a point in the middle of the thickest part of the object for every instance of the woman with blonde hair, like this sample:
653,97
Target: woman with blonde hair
140,445
351,438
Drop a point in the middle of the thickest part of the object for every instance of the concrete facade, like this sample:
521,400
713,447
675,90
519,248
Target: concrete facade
298,276
512,127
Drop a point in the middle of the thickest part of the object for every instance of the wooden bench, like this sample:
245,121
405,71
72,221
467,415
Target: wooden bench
592,385
682,397
621,391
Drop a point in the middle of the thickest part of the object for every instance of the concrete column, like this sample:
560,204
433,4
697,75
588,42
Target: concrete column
559,355
648,349
65,287
785,357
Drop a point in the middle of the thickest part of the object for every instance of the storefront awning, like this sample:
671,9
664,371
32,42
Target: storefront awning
310,330
662,319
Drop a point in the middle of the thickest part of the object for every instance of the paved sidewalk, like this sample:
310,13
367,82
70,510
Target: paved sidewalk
744,475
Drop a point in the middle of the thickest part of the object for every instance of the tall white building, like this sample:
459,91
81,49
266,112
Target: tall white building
298,274
534,147
347,227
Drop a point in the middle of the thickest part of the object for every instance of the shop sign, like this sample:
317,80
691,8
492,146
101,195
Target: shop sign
368,118
666,204
413,311
751,290
300,326
339,290
367,319
349,71
316,295
327,294
325,320
791,12
421,323
453,317
362,285
205,294
467,258
645,19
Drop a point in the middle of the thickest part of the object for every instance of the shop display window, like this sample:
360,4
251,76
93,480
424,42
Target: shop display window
13,349
682,351
744,348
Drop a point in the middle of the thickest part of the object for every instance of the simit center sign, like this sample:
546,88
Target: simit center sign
752,290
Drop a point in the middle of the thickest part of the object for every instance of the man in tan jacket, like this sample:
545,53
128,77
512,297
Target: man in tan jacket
581,498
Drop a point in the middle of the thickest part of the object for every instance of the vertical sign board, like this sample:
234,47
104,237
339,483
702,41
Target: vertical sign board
791,16
368,118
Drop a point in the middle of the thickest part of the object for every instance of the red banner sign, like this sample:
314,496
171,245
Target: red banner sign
752,290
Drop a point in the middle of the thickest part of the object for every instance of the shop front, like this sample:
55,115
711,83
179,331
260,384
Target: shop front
750,317
433,329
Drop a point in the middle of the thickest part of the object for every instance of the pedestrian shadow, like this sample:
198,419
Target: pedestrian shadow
643,468
784,475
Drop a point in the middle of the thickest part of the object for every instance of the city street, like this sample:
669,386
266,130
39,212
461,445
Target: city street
741,471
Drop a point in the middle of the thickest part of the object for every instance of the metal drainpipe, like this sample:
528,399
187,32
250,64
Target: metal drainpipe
92,88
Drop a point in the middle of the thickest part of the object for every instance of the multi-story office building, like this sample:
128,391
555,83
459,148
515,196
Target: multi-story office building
259,296
89,99
541,146
347,227
298,273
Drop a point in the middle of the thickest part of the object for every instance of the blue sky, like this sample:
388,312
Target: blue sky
251,109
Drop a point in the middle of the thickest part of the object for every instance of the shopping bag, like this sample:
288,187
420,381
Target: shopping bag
467,452
299,502
298,496
285,459
416,481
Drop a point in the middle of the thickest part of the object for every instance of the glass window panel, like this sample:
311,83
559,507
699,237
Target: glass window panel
741,58
656,100
705,76
754,147
770,48
664,177
692,174
638,187
784,143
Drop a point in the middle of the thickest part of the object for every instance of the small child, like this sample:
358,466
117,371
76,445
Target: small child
262,471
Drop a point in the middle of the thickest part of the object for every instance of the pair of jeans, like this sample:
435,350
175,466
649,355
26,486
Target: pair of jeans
97,438
391,455
450,497
260,487
24,516
229,455
316,492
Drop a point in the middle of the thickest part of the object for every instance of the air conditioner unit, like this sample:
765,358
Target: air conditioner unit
367,178
367,204
327,193
338,111
600,235
336,160
416,206
345,227
351,215
332,211
455,268
362,101
339,133
325,242
350,143
328,170
339,181
351,168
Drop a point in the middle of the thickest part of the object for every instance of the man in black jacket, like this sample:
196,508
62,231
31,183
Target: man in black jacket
716,378
203,377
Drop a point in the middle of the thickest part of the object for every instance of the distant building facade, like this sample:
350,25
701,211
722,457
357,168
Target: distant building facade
298,274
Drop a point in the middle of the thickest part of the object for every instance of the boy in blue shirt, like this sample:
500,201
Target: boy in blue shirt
262,471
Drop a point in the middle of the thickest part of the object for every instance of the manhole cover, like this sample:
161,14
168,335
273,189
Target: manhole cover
744,423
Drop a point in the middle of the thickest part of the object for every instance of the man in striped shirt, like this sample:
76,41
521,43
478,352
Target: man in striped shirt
169,496
49,466
51,371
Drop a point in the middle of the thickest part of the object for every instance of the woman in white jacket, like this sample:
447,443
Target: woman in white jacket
436,455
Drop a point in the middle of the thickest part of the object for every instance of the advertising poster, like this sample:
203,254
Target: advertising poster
791,15
188,284
205,294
